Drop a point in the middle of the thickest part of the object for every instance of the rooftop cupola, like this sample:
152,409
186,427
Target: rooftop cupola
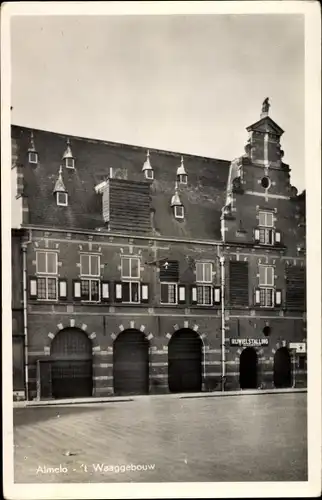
60,191
176,204
68,158
32,153
147,169
182,176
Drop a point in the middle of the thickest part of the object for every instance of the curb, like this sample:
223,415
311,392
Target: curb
113,399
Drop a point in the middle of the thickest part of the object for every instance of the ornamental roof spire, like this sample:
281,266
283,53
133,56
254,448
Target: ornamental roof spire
68,152
146,164
265,108
60,186
181,170
175,200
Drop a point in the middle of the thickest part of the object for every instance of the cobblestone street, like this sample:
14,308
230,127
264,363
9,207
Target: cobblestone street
243,438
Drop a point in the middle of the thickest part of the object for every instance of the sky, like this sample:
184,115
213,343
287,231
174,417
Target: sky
190,84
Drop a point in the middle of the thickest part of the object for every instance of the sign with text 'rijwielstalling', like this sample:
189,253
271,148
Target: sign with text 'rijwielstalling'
248,342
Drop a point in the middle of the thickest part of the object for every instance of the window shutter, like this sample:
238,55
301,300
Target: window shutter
105,291
271,237
144,293
118,292
77,289
278,297
33,288
256,235
182,294
62,289
194,294
277,237
257,297
217,295
164,293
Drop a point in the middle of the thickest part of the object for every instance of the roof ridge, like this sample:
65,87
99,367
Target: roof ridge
121,144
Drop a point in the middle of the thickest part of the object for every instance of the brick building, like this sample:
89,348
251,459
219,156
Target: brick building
140,271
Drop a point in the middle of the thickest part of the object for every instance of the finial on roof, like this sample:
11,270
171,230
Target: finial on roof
59,185
32,143
265,107
175,200
181,170
68,152
146,164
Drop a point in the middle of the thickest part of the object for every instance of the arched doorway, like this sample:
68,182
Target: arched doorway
131,363
282,368
185,361
248,369
71,374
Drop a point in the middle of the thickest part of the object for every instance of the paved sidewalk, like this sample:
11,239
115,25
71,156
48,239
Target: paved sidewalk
116,399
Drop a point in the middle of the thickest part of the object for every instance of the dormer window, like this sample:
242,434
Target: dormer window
60,190
183,179
182,176
62,199
32,153
178,208
68,159
179,212
69,163
33,157
147,169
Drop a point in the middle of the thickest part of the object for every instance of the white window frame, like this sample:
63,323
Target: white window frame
47,277
177,214
203,303
265,215
62,204
267,232
266,284
203,264
89,279
130,258
90,275
130,289
183,179
30,156
72,161
266,290
44,273
147,176
176,291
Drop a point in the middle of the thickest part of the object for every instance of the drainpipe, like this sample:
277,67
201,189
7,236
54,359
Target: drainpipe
25,315
223,330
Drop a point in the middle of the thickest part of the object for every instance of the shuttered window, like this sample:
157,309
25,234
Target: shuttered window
204,295
169,271
168,293
130,291
238,283
295,287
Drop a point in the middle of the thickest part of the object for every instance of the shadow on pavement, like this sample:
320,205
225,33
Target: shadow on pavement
29,415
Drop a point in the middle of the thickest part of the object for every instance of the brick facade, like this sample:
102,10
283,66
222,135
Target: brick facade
222,204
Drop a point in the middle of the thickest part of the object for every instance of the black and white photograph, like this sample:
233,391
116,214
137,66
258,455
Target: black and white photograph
161,249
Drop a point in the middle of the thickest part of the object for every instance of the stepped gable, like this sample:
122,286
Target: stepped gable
202,198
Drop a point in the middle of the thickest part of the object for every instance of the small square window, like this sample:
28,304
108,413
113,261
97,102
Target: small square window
179,212
62,199
33,157
148,174
69,163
